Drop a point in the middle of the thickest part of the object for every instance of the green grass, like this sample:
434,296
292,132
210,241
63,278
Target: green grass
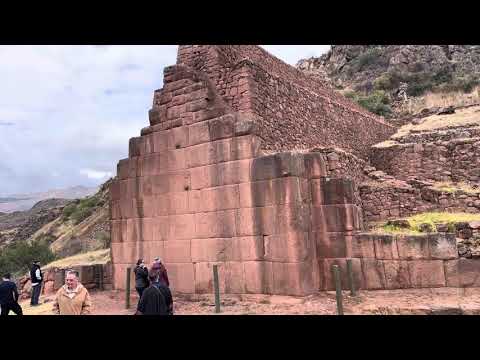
431,218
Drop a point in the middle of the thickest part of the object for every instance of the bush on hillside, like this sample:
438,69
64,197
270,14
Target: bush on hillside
17,258
77,212
377,102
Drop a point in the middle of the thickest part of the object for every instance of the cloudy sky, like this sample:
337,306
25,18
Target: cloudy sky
67,112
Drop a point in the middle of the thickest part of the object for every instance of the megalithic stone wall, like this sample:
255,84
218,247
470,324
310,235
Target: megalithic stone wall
196,190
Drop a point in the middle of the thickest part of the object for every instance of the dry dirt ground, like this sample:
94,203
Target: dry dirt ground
388,302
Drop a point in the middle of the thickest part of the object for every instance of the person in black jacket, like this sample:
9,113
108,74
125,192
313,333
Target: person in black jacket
141,277
153,301
9,297
36,278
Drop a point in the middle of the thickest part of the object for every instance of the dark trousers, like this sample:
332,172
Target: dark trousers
36,290
140,291
15,307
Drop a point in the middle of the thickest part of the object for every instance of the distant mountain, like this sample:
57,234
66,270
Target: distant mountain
24,202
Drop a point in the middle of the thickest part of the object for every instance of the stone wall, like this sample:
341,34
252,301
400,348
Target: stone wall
254,82
197,190
393,199
455,160
91,276
382,262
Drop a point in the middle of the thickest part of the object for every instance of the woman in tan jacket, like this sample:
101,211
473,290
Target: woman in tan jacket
72,298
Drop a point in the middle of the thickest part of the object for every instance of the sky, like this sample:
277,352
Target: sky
67,112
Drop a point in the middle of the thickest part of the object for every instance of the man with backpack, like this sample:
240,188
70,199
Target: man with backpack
156,299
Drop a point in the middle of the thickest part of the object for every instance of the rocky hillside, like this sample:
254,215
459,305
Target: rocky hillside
68,226
24,202
394,80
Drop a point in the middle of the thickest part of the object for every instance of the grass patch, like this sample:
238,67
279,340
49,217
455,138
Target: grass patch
89,258
453,188
431,218
81,209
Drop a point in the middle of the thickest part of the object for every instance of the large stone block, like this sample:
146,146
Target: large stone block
443,246
222,127
258,277
291,218
178,251
179,202
373,274
396,274
211,250
337,191
332,245
232,172
153,249
133,230
178,137
218,198
181,277
217,224
179,181
385,247
246,147
136,147
208,153
272,192
363,246
426,273
115,210
199,133
335,218
315,165
161,228
293,278
326,279
290,247
413,247
115,190
277,166
247,248
122,169
154,164
160,141
176,160
255,221
463,272
204,277
182,227
234,277
116,231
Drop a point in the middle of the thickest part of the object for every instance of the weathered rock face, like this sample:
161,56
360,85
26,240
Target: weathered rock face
341,60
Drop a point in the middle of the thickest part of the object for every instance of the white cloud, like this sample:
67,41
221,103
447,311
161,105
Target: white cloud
75,107
94,174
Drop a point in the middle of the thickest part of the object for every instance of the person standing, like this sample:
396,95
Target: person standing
72,298
165,290
36,278
153,301
141,277
9,297
158,266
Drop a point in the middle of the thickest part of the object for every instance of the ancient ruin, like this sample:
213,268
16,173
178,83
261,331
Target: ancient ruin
252,165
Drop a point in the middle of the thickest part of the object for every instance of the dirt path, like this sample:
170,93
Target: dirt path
392,302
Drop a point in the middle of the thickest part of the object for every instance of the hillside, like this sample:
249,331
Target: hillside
24,202
55,229
400,80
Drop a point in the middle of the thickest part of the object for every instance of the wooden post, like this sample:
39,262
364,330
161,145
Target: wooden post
127,288
100,284
217,289
350,277
338,289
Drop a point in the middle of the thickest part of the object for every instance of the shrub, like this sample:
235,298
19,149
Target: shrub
81,214
377,102
79,211
18,257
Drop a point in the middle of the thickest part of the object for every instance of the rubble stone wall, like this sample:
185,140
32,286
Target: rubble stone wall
382,201
252,81
455,160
